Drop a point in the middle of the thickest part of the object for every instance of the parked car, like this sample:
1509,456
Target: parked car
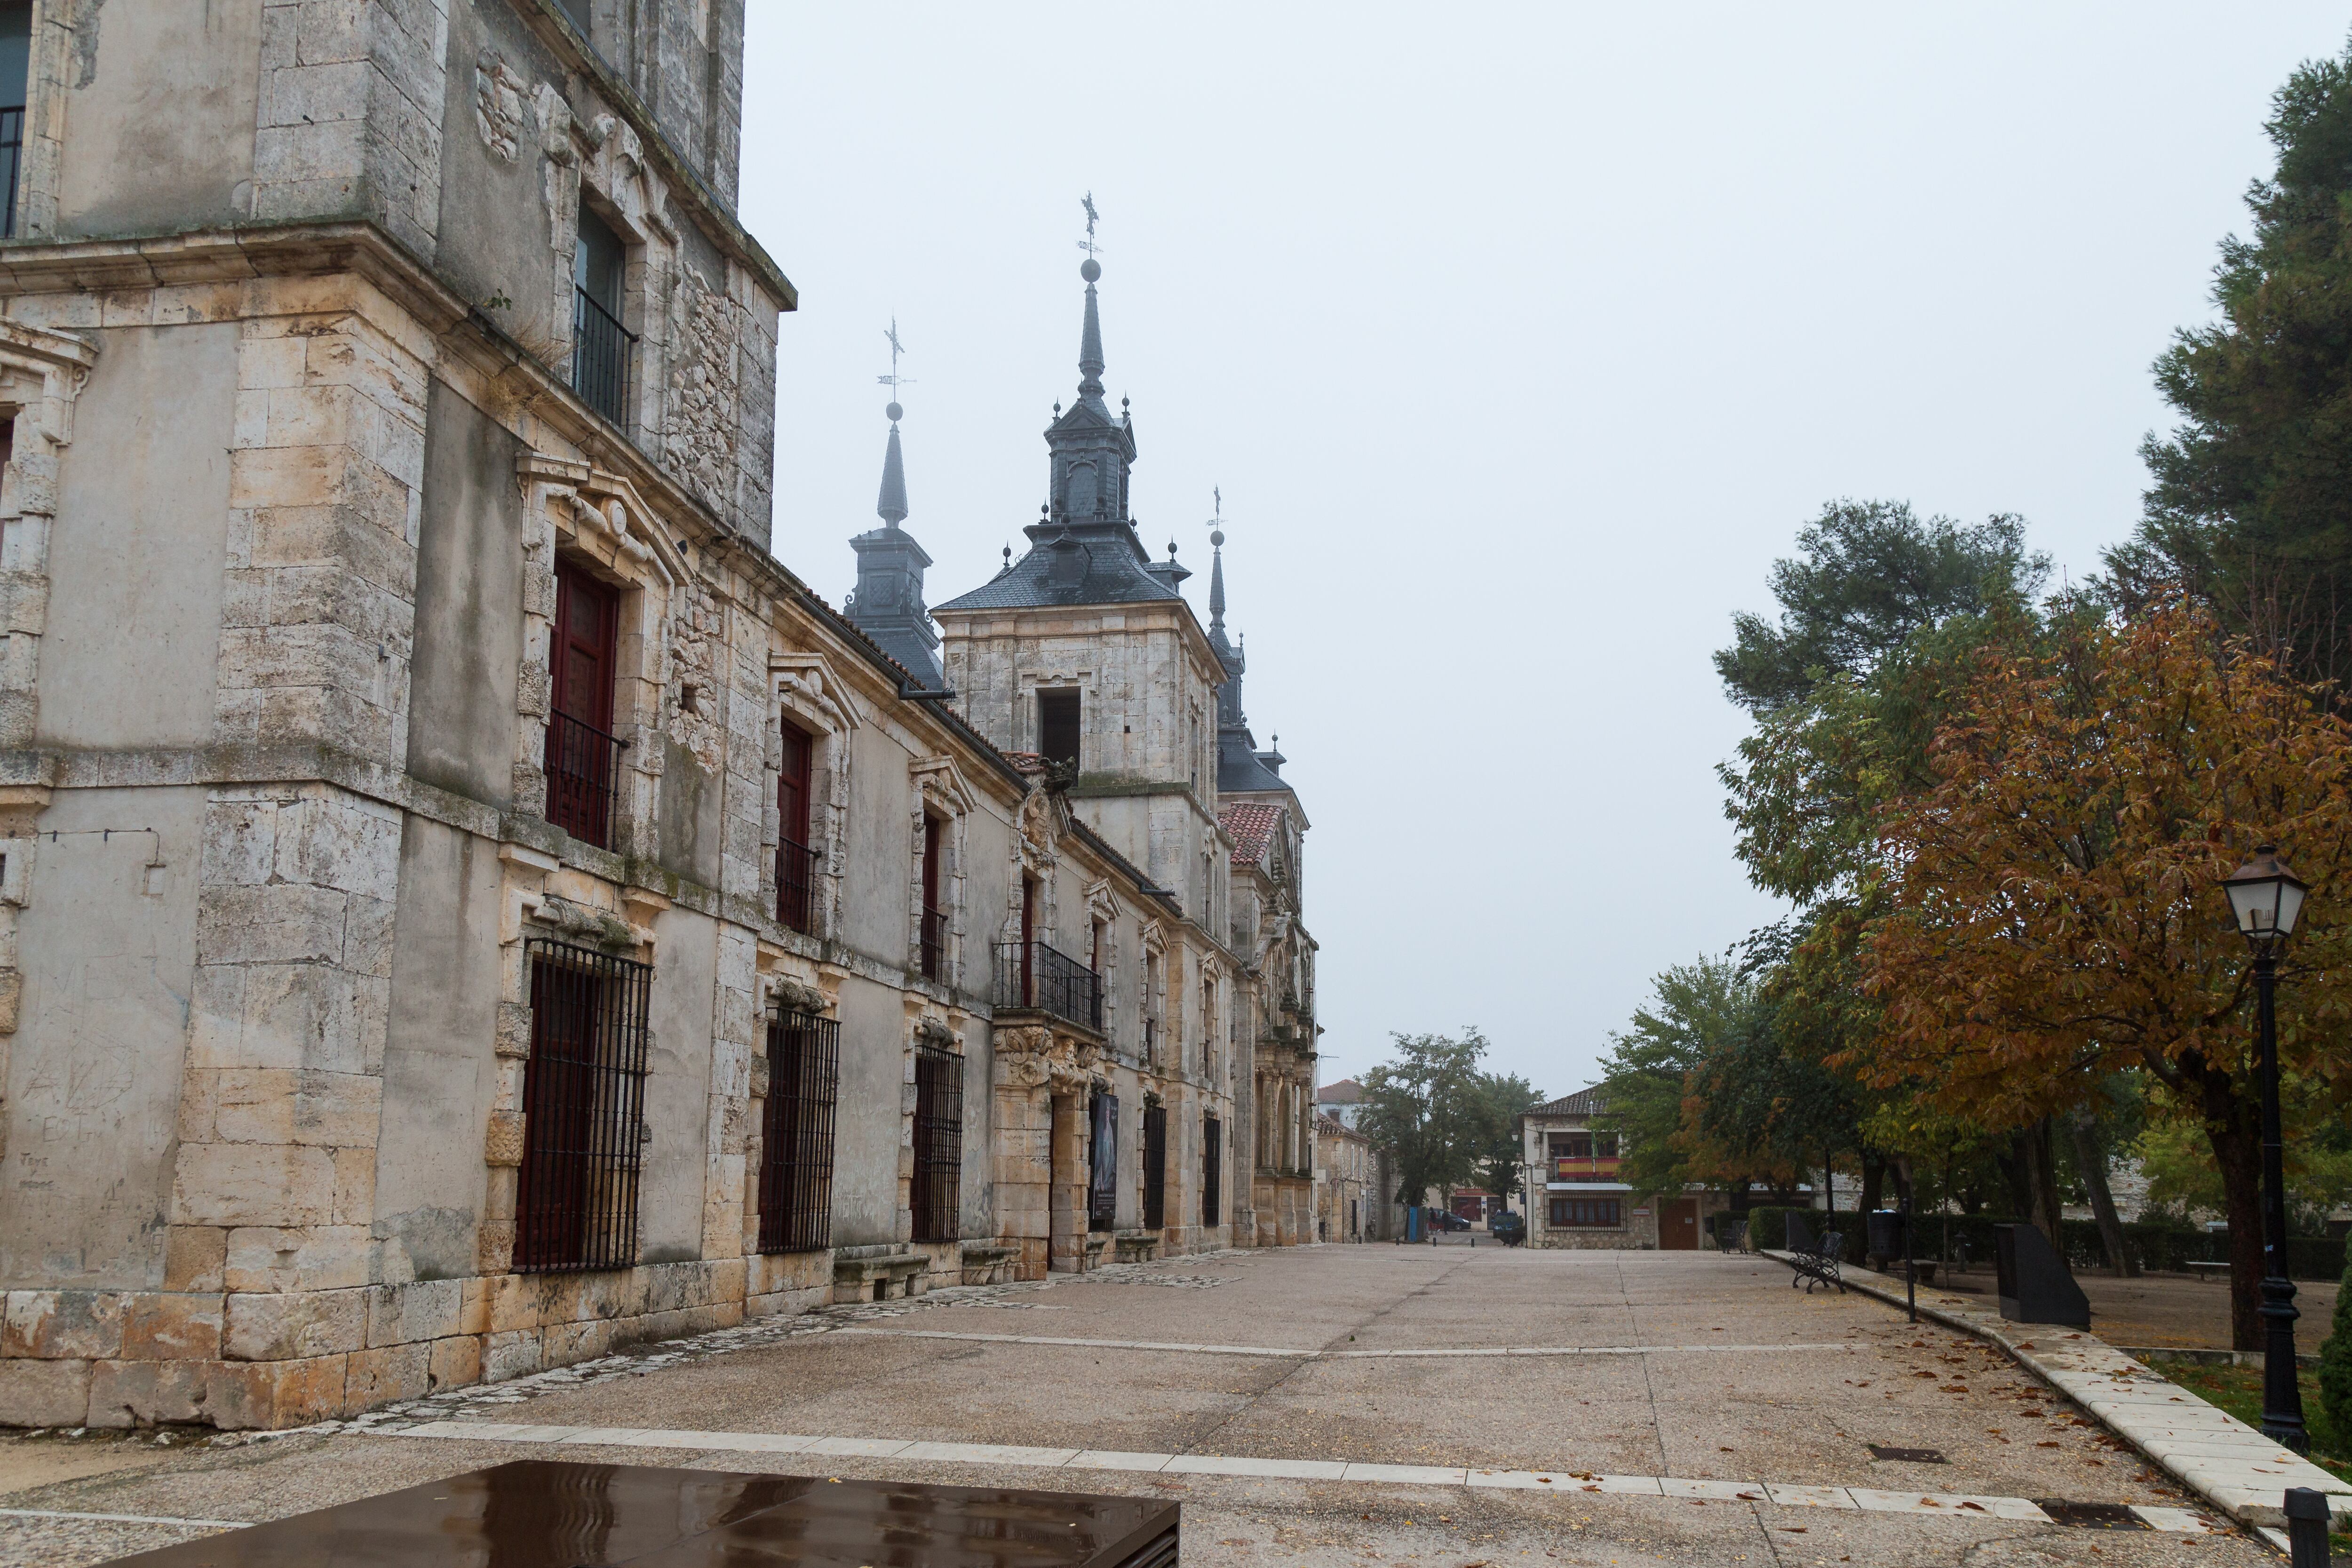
1511,1229
1442,1220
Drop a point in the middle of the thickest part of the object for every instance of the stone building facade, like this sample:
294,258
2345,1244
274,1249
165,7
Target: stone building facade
464,904
1347,1194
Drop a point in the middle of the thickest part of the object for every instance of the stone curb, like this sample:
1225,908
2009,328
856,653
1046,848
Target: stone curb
2215,1455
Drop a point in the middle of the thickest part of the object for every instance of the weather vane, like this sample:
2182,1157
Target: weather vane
1217,523
894,381
1092,217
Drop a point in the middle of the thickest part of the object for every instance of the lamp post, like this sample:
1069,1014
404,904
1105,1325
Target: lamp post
2266,897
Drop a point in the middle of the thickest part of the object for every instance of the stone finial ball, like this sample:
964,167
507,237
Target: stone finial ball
1217,536
1089,270
892,413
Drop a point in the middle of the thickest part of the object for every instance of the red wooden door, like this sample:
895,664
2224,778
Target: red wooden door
1028,940
581,761
796,865
582,661
1678,1224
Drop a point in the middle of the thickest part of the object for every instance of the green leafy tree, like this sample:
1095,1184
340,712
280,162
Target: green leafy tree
2336,1360
1497,1156
2251,505
1427,1108
1868,578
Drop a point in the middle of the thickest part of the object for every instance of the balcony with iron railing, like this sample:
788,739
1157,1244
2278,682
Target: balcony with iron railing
1035,977
796,886
603,356
584,776
933,944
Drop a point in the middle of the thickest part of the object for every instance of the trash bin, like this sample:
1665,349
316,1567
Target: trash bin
1885,1229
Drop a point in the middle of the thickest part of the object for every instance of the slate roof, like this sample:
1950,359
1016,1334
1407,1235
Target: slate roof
1087,564
1251,825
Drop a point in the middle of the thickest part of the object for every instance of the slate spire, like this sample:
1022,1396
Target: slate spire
1090,352
891,508
888,605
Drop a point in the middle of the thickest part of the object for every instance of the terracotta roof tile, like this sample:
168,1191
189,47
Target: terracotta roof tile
1251,825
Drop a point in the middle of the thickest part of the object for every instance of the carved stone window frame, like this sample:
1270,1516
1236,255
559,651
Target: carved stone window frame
806,686
938,789
1102,909
598,523
1150,943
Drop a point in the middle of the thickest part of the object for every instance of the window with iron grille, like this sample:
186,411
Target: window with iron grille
1212,1152
1155,1166
796,1130
603,351
1578,1214
584,1110
1102,1173
939,1143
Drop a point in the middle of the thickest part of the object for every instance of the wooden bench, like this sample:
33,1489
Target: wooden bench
2208,1271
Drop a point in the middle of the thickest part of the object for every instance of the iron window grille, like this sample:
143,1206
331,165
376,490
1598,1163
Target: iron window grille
939,1143
12,162
603,352
1155,1166
583,1110
1212,1151
796,885
1569,1214
796,1133
1102,1173
1033,974
584,771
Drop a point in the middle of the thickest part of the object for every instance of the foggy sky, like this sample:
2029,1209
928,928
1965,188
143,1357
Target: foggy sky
1520,339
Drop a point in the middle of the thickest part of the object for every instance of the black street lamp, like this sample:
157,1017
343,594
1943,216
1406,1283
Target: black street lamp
2266,898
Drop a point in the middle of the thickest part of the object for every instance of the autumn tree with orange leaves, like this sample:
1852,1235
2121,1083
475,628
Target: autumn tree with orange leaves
2053,911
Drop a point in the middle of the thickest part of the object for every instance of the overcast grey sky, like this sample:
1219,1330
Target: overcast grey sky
1521,338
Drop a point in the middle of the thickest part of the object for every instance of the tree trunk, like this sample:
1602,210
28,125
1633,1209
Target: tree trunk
2041,1166
2014,1168
2235,1131
2092,1161
1740,1199
1874,1179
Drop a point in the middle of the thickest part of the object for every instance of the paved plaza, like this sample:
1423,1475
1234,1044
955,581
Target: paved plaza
1376,1404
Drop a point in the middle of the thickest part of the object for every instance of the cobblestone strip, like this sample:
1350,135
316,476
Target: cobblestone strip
1862,1498
2220,1458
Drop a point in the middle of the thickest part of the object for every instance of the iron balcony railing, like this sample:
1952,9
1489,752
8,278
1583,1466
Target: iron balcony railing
584,775
795,885
934,943
603,352
1038,976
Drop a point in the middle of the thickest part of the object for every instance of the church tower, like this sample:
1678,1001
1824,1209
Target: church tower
1083,651
888,603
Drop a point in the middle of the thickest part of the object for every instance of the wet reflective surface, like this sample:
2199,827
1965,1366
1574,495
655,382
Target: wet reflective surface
539,1514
